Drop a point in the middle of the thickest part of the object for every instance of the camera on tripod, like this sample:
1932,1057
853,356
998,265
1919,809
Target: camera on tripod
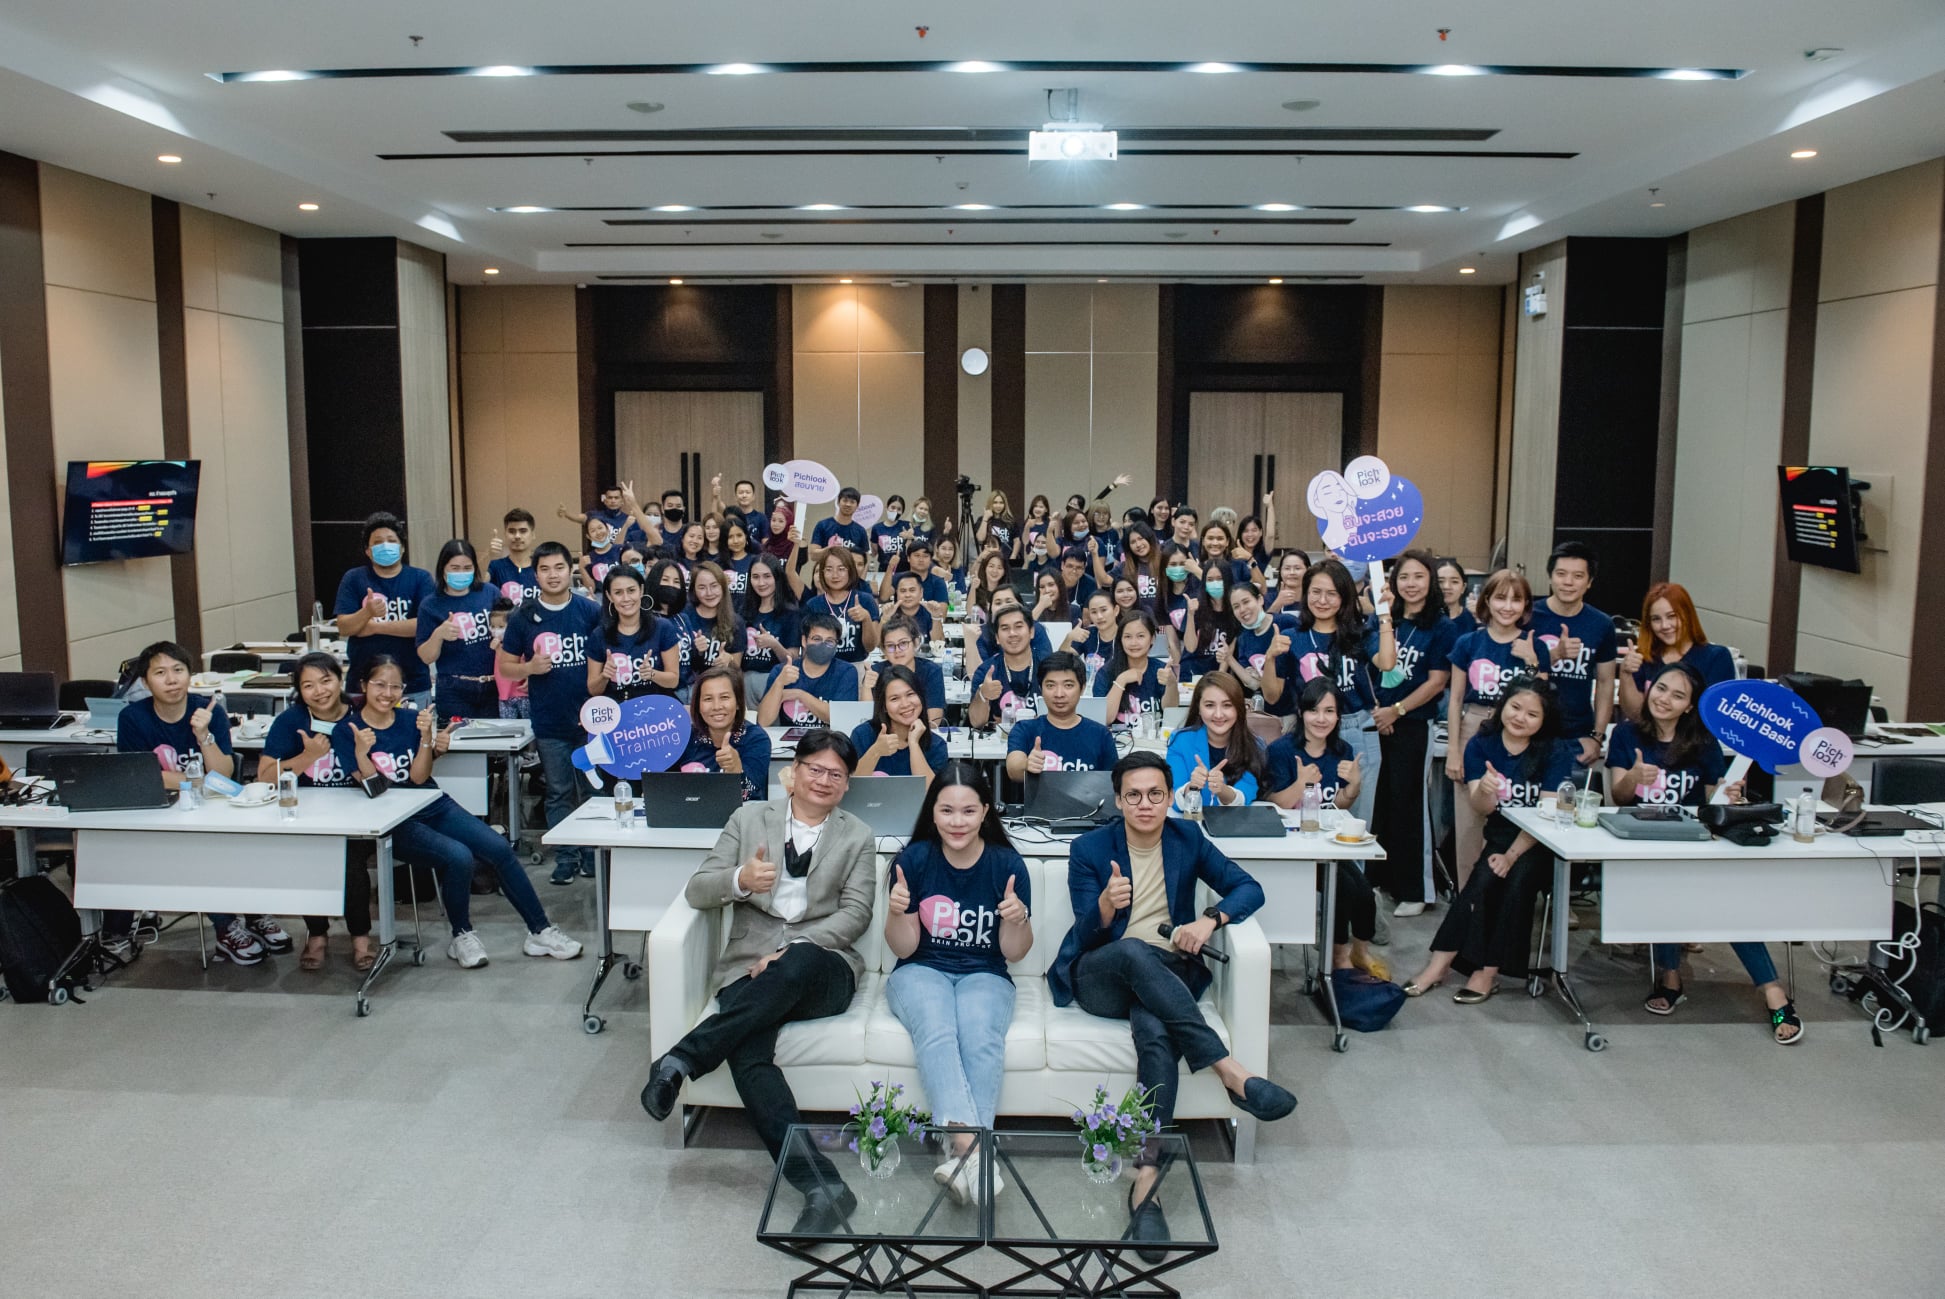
966,487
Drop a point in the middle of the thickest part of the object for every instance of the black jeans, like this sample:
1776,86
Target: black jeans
1490,923
1147,986
1400,816
806,982
453,697
1357,905
357,895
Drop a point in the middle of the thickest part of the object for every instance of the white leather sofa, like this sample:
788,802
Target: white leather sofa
1055,1056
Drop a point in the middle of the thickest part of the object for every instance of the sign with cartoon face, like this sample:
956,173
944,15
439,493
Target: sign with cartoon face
1365,514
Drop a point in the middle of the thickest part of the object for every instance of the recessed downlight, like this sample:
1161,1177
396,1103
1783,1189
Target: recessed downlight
1657,203
644,106
675,281
1801,154
822,207
1468,270
1456,70
674,207
1276,279
844,281
1276,207
168,158
1427,207
734,70
526,207
1125,207
307,207
492,270
972,207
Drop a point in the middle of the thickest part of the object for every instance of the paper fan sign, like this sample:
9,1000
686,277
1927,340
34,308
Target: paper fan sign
1772,726
647,733
1366,513
801,482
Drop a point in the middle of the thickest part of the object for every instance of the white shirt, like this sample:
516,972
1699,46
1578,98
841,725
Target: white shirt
789,898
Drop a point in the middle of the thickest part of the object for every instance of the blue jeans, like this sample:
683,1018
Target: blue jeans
958,1024
567,789
1358,731
450,839
1754,957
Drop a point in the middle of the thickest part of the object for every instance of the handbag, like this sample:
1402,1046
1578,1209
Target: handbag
1364,1001
1750,825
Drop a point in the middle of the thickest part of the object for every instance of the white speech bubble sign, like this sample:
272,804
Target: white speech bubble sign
600,715
1368,477
810,482
870,510
1826,752
776,477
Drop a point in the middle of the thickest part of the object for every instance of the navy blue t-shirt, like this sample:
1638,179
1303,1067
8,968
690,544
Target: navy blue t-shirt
786,626
1420,653
1144,696
1312,654
736,573
1488,665
392,749
692,658
864,734
1683,786
1016,684
1095,649
565,636
1575,678
635,656
931,681
1712,662
1084,746
139,730
285,740
888,542
1283,761
851,536
1529,786
601,562
752,745
403,594
839,682
850,641
512,581
471,655
958,910
988,644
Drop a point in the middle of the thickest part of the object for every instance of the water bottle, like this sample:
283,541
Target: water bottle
624,804
1803,825
1313,809
1564,802
287,794
192,781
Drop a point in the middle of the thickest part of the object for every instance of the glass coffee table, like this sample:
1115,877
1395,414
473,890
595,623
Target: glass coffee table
1051,1229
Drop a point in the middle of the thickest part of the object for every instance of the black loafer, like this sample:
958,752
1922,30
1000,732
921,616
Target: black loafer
825,1210
1265,1100
1146,1223
664,1085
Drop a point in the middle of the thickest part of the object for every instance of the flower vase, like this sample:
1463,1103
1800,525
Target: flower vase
880,1159
1101,1171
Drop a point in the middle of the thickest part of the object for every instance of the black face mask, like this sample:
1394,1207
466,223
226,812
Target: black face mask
672,600
672,514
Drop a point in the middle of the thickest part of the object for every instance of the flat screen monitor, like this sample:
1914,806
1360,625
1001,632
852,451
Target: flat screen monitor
129,509
1819,519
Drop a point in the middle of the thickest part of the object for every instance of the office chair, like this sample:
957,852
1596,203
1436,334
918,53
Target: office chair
233,661
1908,780
74,695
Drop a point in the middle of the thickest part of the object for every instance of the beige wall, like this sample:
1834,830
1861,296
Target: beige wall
233,307
1536,414
1877,303
519,408
1438,409
1735,319
9,612
1090,389
427,418
858,370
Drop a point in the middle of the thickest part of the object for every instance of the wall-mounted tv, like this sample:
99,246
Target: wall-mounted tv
129,509
1819,516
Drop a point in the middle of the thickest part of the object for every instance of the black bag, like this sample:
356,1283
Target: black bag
39,930
1925,985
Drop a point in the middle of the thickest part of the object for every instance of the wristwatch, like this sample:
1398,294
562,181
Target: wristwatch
1213,913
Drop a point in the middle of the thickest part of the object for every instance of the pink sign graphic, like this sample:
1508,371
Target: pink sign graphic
939,914
548,643
1311,666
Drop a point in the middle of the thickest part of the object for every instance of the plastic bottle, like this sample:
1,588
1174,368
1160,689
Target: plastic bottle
624,803
1803,826
192,781
287,794
1313,807
1565,801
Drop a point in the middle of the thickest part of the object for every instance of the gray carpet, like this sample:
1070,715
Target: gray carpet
186,1133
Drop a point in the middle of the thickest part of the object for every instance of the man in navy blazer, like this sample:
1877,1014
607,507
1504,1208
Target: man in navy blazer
1128,881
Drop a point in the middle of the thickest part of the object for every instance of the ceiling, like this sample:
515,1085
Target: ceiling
1562,125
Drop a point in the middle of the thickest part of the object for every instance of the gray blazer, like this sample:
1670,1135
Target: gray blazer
843,875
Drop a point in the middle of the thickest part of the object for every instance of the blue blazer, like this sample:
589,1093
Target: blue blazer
1190,743
1187,856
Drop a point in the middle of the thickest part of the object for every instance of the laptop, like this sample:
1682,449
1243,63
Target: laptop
1251,821
1874,825
1842,705
104,714
108,782
1093,709
888,804
1630,823
29,701
675,800
1173,718
1082,797
847,715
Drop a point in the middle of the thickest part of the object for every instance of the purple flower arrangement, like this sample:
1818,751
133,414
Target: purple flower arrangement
879,1119
1112,1131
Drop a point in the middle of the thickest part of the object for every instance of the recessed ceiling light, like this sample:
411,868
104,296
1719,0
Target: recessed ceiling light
1125,207
526,207
674,207
972,207
1427,207
1803,153
1276,279
1103,280
1657,203
1213,67
167,157
1468,270
1687,74
822,207
492,270
643,106
975,65
734,69
1301,105
307,207
1456,70
675,281
502,70
276,74
844,281
1276,207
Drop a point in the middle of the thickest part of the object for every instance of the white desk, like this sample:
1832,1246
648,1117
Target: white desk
1869,753
15,743
1838,889
277,656
216,857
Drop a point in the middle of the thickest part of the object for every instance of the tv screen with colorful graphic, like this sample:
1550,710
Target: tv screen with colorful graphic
129,509
1819,516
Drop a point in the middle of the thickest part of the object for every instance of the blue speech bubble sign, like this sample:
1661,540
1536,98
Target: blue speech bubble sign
1378,528
1763,721
651,735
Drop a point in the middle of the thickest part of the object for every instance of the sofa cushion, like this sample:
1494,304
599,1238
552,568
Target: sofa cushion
838,1039
1078,1041
887,1042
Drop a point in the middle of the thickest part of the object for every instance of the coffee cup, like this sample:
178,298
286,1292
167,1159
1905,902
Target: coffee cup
1350,827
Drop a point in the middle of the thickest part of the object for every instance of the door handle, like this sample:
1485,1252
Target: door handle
1256,477
1272,478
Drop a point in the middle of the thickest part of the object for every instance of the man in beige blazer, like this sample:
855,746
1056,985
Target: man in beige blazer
799,874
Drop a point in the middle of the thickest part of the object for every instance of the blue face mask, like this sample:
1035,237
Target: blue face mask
459,581
1080,534
1214,589
641,570
387,553
1175,572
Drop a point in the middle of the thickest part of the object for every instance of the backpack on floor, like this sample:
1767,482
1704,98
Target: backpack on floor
1365,1002
39,929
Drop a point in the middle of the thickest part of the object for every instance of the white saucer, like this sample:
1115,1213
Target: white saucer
1352,843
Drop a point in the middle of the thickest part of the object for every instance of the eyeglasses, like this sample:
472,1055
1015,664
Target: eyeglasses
820,774
1153,797
897,646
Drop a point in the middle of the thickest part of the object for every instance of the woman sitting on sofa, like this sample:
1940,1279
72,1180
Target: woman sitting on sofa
957,914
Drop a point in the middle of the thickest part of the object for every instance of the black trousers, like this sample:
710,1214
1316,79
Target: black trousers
1357,904
1490,923
806,982
1399,816
357,896
1137,981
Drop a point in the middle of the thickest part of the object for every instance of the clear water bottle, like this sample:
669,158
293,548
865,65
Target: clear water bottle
192,780
1803,825
1313,809
287,794
1564,803
624,804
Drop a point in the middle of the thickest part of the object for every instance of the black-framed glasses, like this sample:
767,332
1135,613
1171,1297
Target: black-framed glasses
1136,797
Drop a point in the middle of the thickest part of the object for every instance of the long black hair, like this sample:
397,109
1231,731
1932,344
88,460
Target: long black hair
667,601
1314,692
887,674
1213,615
1539,750
1690,733
1433,609
783,594
457,546
610,620
1348,639
967,774
1119,662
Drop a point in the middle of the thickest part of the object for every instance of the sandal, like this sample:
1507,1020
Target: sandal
1467,997
312,959
1663,1000
1415,989
1785,1016
363,954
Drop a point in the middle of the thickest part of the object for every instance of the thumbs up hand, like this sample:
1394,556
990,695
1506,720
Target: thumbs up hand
374,603
900,900
1199,777
496,546
1499,786
1567,647
1646,774
1350,771
1217,781
758,875
1120,892
1037,760
1523,651
1012,910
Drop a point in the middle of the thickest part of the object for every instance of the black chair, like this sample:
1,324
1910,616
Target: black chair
247,705
34,761
231,661
1908,780
74,695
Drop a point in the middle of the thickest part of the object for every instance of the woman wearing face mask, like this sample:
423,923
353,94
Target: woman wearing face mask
1670,633
1214,759
635,560
887,537
773,621
708,628
996,528
1180,598
300,741
737,556
1288,595
603,553
1516,760
1408,696
1093,637
1317,755
1212,624
1039,518
1135,680
633,652
1142,560
957,913
456,636
896,741
1256,632
720,740
1451,576
1483,662
1334,639
841,594
667,588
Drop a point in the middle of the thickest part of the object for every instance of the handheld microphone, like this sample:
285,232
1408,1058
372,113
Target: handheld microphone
1168,931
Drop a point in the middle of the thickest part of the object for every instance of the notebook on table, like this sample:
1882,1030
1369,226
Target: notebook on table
1631,823
108,782
683,800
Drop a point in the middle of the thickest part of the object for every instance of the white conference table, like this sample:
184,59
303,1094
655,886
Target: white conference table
277,656
15,742
220,858
1879,744
1837,889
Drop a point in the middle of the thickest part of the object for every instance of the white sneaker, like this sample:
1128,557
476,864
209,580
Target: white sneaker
552,942
239,944
1408,909
468,950
963,1180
